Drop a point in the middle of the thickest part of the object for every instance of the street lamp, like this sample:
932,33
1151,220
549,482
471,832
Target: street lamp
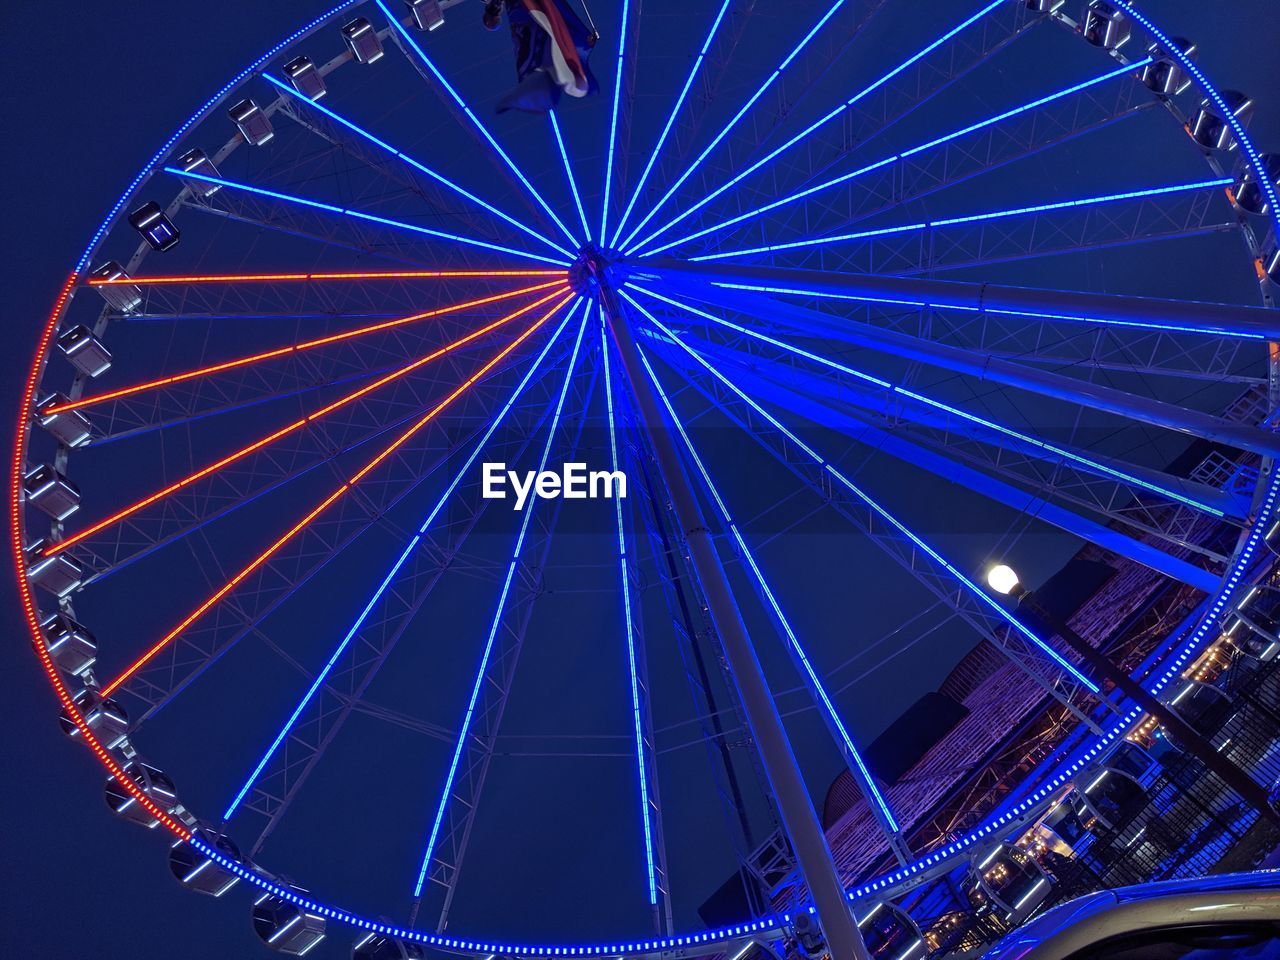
1003,579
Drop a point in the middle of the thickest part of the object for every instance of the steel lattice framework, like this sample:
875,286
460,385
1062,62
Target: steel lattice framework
849,262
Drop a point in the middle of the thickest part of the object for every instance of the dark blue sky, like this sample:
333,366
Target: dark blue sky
89,93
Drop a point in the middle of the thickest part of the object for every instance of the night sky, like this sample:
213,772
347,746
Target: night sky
89,95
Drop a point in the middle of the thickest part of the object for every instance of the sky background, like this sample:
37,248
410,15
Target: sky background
88,101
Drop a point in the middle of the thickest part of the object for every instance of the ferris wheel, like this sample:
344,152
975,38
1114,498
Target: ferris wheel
481,532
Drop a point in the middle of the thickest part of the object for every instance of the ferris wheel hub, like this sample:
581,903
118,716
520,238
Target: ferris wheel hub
596,264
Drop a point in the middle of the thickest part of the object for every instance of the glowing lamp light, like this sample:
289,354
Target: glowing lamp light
1002,578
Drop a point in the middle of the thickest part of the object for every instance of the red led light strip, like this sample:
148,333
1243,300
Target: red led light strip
338,492
285,277
28,602
292,348
270,438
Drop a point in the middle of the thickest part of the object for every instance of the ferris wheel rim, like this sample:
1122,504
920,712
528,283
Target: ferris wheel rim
1266,495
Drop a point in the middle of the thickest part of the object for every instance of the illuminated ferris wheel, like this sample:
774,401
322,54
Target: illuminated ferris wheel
476,531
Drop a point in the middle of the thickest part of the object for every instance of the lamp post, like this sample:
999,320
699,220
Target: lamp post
1003,579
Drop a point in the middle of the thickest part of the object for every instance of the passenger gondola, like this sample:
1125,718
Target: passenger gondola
1009,882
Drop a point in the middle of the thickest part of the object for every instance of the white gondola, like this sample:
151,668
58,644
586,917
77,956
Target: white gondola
84,351
198,872
1202,706
154,225
1209,126
890,934
59,574
1109,794
1129,758
426,13
103,716
154,783
1046,6
1007,881
125,297
1253,634
50,492
285,926
1104,26
253,124
362,40
196,160
72,647
69,427
305,78
1165,75
1250,197
375,946
1063,830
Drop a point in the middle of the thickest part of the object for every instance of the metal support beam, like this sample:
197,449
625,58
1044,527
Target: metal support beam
1190,315
1131,406
798,816
812,406
1187,737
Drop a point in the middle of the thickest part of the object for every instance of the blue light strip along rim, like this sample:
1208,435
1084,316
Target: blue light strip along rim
195,118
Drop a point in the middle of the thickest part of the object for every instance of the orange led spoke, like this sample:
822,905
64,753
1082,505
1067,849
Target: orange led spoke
119,515
332,498
357,275
293,348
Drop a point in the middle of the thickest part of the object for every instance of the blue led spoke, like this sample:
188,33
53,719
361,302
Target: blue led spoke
323,675
408,38
666,130
512,566
1093,466
881,511
613,120
568,172
434,175
850,750
361,215
976,218
859,768
688,211
728,127
1026,312
628,623
854,175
